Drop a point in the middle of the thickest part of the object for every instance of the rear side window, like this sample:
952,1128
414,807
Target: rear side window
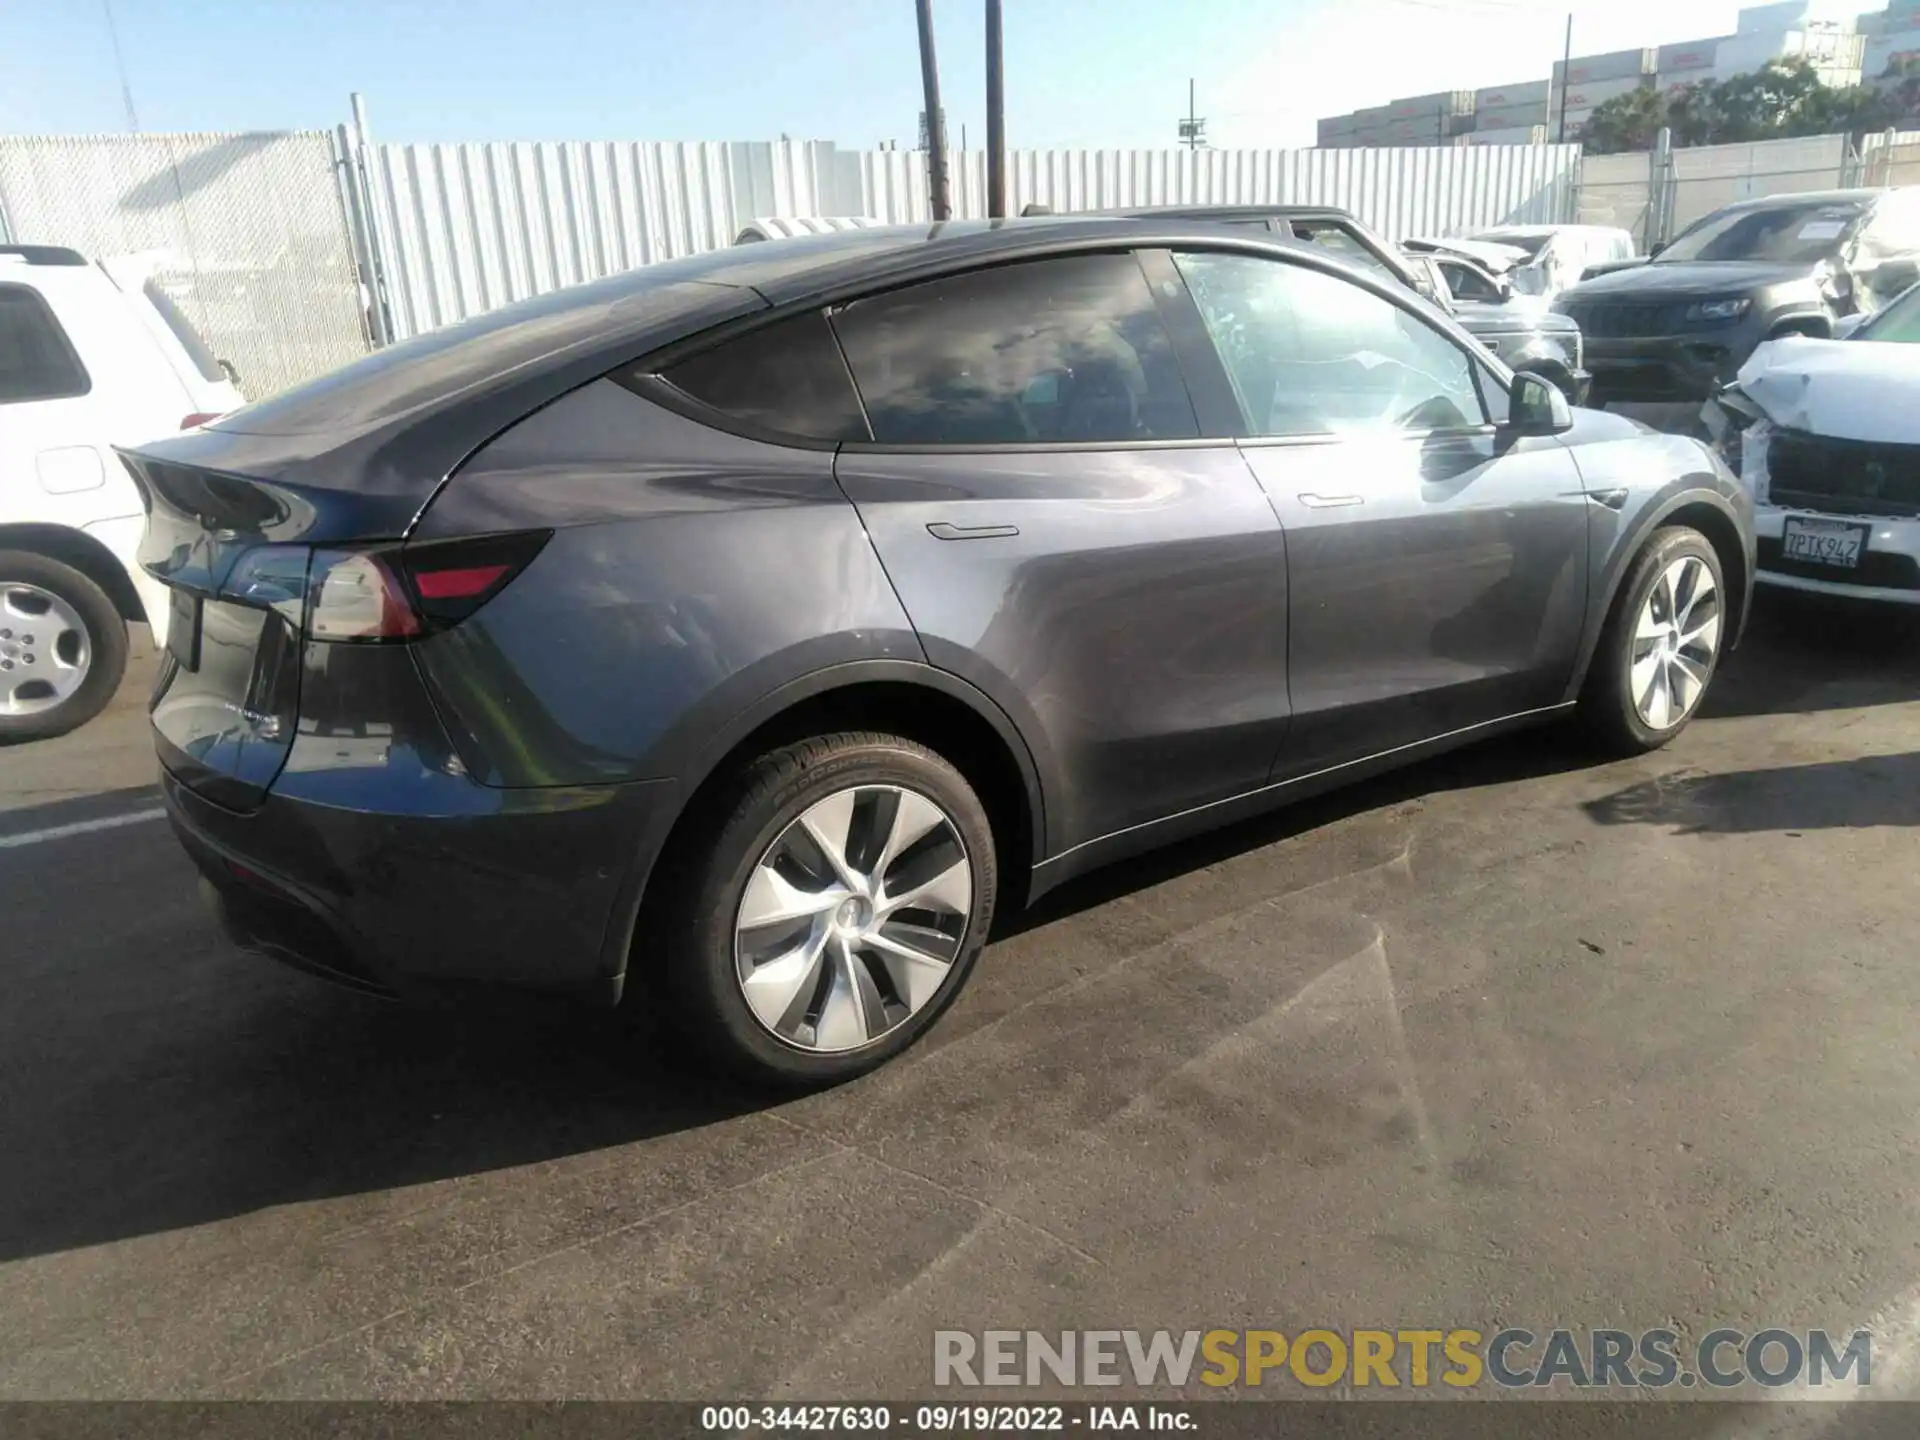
786,377
36,360
1042,352
204,360
1330,236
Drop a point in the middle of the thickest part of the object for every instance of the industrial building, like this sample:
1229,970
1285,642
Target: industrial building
1842,47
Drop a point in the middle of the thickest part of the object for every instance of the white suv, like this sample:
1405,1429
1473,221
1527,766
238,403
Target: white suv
91,356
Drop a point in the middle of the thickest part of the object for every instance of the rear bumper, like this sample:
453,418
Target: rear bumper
525,889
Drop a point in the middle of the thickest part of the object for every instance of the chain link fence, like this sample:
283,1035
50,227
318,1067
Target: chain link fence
1706,177
247,234
1617,190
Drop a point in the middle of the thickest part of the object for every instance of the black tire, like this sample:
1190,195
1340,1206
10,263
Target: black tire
106,639
1607,710
708,1017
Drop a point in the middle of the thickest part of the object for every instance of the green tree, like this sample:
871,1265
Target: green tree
1899,87
1784,98
1631,121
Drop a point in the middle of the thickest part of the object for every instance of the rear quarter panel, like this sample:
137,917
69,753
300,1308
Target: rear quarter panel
690,573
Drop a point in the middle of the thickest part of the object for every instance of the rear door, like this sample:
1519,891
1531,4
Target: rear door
1062,538
1437,565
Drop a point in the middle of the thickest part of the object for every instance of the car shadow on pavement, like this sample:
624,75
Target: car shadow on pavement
1525,755
1860,793
1804,653
149,1091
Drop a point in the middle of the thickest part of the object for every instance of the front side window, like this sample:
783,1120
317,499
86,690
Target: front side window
1042,352
1314,354
36,360
1467,283
786,377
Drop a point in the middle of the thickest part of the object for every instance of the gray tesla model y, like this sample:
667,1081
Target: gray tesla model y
738,634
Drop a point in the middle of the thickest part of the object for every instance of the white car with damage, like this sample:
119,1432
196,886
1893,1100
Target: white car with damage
1826,436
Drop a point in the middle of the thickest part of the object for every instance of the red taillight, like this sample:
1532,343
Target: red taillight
454,578
384,594
467,583
199,418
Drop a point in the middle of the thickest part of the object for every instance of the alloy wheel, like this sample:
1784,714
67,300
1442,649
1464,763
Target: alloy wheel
1674,643
853,917
44,650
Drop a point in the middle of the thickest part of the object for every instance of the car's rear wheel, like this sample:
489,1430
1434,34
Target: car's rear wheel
63,647
1661,645
837,902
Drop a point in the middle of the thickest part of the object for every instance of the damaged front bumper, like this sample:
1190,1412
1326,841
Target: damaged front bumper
1822,520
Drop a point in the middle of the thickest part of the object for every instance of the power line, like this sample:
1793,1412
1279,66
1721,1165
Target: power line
120,66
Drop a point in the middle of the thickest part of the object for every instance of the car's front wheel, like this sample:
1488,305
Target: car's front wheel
63,647
1661,645
835,904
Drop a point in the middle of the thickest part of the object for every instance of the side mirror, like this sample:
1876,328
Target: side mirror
233,375
1504,286
1535,406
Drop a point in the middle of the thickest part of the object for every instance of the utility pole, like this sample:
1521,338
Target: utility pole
996,117
1193,129
936,118
1566,79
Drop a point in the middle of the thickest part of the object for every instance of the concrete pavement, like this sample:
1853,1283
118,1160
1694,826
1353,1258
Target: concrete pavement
1511,1038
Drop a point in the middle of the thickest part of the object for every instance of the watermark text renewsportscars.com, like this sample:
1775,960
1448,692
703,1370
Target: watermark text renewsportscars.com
1411,1359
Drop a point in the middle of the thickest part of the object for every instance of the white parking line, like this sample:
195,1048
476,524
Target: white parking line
79,827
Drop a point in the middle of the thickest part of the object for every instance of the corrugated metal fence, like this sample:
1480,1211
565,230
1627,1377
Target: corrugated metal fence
460,229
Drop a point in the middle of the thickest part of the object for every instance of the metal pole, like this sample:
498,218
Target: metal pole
936,135
1566,73
377,278
996,117
1193,114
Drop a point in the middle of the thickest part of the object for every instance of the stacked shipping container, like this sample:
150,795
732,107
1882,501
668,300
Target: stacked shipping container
1843,47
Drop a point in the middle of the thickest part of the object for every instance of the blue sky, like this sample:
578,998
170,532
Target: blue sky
1079,72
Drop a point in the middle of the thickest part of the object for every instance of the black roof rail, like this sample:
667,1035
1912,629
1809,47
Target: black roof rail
45,254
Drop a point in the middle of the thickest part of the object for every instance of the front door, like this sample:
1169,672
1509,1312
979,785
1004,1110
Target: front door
1063,539
1437,565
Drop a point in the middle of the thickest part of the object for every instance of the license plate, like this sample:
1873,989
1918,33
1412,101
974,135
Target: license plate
183,629
1824,542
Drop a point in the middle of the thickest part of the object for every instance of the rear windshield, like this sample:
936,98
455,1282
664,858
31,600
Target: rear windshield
488,350
204,360
1531,244
1785,234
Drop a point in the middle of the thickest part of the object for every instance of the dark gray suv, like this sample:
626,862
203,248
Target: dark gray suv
1680,326
743,632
